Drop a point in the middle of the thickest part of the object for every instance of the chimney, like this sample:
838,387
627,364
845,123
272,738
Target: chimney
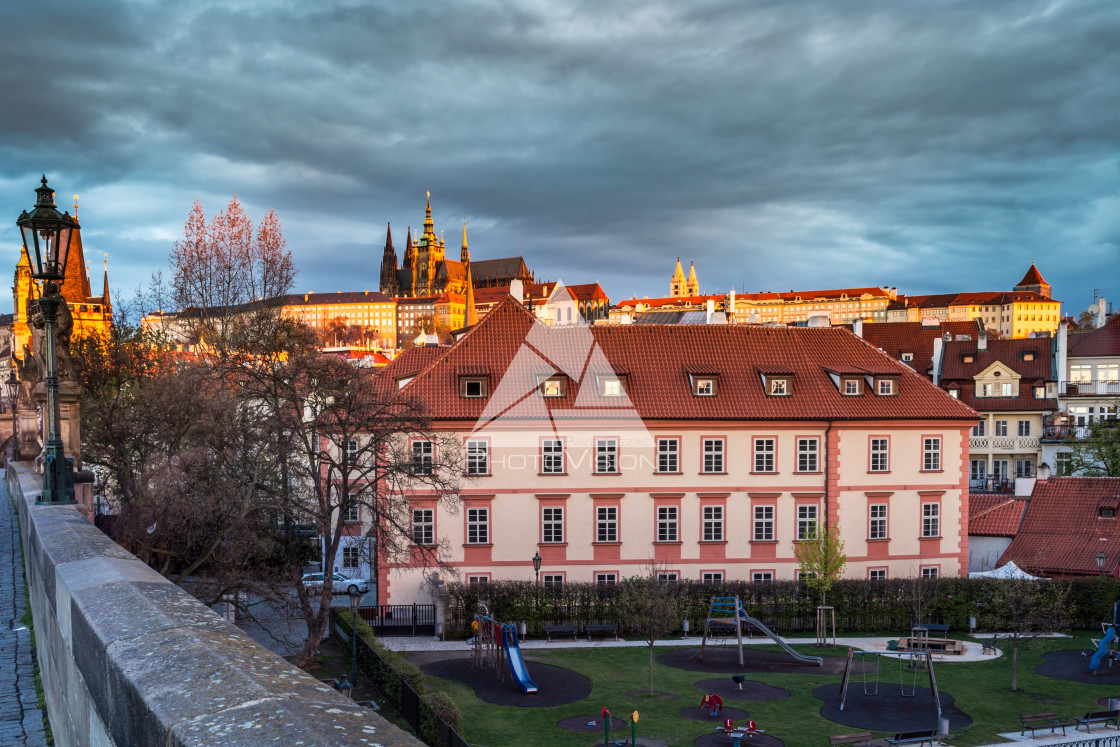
517,290
938,354
1102,317
1043,472
857,326
711,309
1062,350
982,340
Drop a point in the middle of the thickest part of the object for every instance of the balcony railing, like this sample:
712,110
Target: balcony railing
1083,388
1065,432
1009,444
991,485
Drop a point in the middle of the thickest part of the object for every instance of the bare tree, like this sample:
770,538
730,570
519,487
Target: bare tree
652,605
1022,609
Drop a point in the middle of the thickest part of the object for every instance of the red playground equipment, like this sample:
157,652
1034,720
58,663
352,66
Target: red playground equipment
712,703
609,740
749,731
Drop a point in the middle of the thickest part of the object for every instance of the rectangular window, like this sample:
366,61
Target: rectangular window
1108,372
980,429
1006,389
762,577
877,574
353,510
552,524
606,524
978,469
668,576
807,452
478,457
478,526
764,449
478,580
931,519
711,577
704,387
552,580
423,526
552,388
713,455
667,524
606,456
352,447
668,455
877,530
472,388
851,386
1001,427
806,522
552,456
1024,427
423,457
929,571
880,451
713,523
610,386
606,579
886,387
351,556
931,454
1000,469
779,387
1024,468
763,523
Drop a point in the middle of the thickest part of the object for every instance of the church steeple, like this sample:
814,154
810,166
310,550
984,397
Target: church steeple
677,284
390,280
465,252
693,288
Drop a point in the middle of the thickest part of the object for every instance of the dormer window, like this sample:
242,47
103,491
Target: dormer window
955,393
704,386
611,386
553,387
968,358
907,357
1040,392
1106,513
885,387
472,387
851,387
779,387
1027,355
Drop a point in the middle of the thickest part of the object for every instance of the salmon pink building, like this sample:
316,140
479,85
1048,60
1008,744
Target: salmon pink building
709,450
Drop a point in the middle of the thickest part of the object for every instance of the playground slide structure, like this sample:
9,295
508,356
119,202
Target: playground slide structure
516,663
1107,647
728,611
785,647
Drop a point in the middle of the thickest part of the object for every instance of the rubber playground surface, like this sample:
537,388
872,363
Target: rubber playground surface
1073,665
889,710
727,689
556,685
725,660
719,739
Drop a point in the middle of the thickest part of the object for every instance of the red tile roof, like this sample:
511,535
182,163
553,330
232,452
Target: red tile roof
995,515
979,298
896,338
1062,530
518,351
1033,277
671,301
1103,341
1007,352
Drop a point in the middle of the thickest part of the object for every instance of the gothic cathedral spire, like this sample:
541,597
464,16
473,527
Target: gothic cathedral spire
390,279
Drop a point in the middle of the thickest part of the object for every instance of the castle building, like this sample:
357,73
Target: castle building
426,271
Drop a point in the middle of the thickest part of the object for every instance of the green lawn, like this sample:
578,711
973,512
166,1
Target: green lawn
981,689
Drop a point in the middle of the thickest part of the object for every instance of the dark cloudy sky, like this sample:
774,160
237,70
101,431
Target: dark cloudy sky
934,146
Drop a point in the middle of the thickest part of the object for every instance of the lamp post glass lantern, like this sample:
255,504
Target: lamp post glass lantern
355,598
1100,563
537,566
46,237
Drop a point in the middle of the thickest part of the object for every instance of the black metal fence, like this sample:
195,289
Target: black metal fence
400,619
410,704
1091,742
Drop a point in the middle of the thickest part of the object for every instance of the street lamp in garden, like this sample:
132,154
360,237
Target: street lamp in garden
1100,563
355,598
46,237
537,566
12,386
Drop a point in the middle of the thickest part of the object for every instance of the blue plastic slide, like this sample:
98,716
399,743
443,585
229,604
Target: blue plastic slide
1102,649
516,663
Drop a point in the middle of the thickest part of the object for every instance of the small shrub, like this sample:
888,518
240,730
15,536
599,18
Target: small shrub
440,706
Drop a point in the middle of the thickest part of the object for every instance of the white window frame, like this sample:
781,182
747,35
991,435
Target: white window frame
423,527
876,574
767,454
713,455
762,577
552,525
779,387
552,456
931,453
880,447
712,523
931,571
763,520
423,457
851,387
606,456
606,523
606,579
668,524
808,455
711,577
351,556
1024,428
668,455
668,577
478,456
808,515
552,580
1001,428
478,526
886,387
931,520
878,513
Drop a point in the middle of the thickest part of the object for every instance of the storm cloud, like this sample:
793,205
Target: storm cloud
934,146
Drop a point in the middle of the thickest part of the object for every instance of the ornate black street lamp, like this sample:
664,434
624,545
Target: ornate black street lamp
537,566
12,386
46,236
1100,563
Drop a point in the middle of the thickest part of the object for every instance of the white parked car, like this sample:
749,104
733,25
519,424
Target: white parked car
342,584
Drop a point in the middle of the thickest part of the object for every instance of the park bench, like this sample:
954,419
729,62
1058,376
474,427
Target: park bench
914,737
1098,717
551,630
859,737
935,645
603,630
1042,720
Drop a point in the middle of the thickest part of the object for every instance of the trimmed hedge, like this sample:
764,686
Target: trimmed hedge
862,606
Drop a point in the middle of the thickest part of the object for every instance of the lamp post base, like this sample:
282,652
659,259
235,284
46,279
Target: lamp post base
58,478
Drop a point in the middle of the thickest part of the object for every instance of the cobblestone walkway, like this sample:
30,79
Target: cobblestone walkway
21,721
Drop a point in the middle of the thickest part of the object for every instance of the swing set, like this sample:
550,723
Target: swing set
871,687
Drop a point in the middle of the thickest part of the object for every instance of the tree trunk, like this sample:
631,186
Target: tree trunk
1015,664
651,667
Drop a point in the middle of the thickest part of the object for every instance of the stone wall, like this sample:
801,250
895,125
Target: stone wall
129,659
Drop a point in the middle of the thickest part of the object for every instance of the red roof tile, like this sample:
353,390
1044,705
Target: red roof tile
1062,530
1033,277
1103,341
896,338
995,515
1008,352
519,351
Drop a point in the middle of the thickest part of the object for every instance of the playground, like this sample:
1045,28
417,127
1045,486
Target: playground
581,693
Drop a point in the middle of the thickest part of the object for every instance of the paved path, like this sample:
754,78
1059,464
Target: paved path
21,721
